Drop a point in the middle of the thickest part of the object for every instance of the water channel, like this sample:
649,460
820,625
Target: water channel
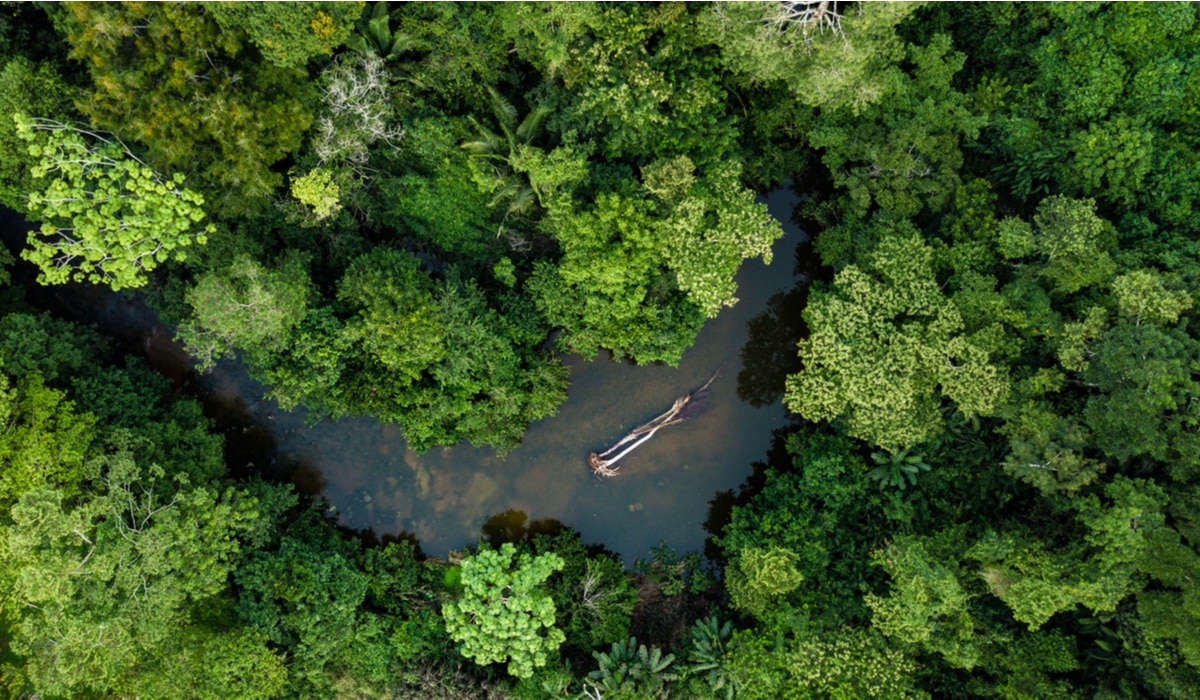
371,480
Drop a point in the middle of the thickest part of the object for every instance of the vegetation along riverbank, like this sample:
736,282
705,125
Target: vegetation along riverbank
315,319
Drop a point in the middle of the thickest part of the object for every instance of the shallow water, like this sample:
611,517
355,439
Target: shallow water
371,480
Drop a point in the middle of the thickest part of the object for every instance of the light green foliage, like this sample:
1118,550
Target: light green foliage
44,442
210,664
169,77
638,277
104,584
851,664
107,217
1071,242
26,88
714,225
630,671
827,60
843,664
1075,345
289,34
503,610
885,346
1142,295
610,289
1097,571
318,191
901,154
1048,450
759,576
927,605
246,307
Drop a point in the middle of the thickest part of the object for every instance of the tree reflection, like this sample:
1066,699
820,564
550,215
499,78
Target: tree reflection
510,526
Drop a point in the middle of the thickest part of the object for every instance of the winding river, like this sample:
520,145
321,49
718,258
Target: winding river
370,480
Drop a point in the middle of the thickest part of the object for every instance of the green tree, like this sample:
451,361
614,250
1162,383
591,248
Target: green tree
169,77
503,610
33,89
45,442
707,666
759,576
639,277
108,217
103,584
245,307
886,345
289,34
1097,571
828,55
928,604
307,596
901,154
630,670
1069,242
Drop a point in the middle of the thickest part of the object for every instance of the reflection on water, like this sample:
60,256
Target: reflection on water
372,480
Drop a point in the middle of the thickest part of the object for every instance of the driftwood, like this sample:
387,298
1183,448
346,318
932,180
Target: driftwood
602,465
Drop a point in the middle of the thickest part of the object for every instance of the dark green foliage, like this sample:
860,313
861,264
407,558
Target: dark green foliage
36,90
1001,500
825,513
593,596
289,34
631,671
706,667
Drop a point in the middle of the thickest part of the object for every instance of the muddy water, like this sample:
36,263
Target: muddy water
371,480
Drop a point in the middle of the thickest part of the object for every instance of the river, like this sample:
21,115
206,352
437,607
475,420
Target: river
370,479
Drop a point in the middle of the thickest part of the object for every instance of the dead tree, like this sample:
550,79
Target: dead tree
602,465
805,17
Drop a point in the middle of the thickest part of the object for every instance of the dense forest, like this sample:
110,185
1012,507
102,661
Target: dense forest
411,211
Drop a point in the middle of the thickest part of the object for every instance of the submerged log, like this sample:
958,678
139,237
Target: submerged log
603,464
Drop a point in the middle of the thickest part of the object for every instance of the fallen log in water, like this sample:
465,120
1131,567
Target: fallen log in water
602,465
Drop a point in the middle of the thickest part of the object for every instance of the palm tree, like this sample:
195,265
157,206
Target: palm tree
375,36
707,656
506,149
626,673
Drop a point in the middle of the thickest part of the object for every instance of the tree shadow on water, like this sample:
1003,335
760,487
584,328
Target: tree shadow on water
510,526
770,354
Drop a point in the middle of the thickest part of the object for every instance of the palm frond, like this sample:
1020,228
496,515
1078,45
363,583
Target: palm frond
522,200
532,124
505,112
379,34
